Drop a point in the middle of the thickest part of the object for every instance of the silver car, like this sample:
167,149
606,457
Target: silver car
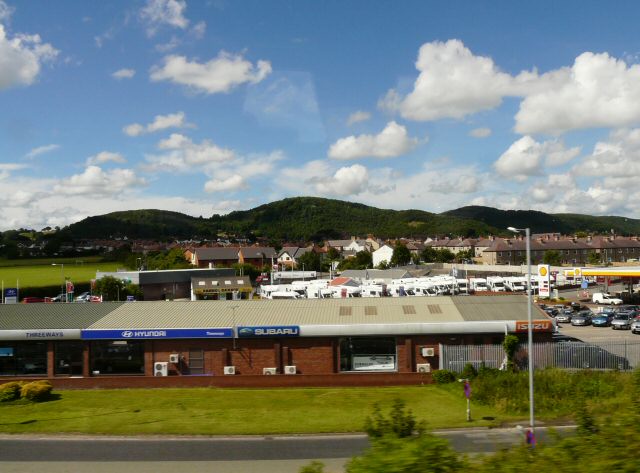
582,318
564,317
635,326
622,321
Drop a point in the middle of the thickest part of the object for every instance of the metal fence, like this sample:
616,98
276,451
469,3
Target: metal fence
601,355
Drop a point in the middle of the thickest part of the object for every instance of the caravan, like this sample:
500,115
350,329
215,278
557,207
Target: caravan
496,284
478,285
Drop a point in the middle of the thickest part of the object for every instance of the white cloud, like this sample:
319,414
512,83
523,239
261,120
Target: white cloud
124,74
183,155
357,117
21,58
452,83
351,180
198,30
41,150
480,132
5,11
617,158
231,183
158,13
391,142
96,182
105,157
526,157
597,91
160,122
220,74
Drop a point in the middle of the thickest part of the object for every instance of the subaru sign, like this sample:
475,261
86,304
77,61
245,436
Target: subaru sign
142,334
270,331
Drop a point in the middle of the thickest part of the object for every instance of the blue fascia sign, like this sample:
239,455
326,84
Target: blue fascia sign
10,292
163,333
270,331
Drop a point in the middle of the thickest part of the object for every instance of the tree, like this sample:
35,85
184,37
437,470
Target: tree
333,254
114,289
464,255
362,260
444,256
429,255
310,261
593,258
552,258
401,255
510,345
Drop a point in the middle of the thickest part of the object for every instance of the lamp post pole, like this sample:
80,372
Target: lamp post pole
527,232
235,327
62,288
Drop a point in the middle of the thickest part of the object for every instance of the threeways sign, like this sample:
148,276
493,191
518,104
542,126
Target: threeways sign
157,333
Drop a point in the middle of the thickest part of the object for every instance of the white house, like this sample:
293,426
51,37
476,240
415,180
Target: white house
384,253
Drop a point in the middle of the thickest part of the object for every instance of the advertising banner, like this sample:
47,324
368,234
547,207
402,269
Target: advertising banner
373,363
11,295
269,331
141,334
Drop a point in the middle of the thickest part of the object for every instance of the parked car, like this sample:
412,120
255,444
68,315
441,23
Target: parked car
84,297
605,298
565,316
635,326
583,355
59,298
576,306
551,311
622,320
30,300
601,320
582,318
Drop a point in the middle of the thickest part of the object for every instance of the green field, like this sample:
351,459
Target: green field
41,273
209,411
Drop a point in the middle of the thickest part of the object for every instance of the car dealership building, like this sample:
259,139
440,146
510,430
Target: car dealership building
247,342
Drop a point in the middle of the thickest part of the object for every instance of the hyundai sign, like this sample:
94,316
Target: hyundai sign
165,333
270,331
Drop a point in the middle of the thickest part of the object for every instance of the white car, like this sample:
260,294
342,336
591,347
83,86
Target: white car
604,298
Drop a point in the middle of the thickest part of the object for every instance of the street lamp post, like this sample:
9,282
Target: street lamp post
527,233
62,288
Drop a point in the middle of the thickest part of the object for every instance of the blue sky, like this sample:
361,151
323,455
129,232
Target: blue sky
206,107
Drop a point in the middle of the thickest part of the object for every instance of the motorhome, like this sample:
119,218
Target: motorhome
515,283
478,284
373,290
496,284
463,286
341,292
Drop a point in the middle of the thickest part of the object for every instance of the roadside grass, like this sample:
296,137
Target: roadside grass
41,275
213,411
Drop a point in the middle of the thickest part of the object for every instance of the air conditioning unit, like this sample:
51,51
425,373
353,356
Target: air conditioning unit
174,358
229,370
423,367
426,352
161,368
269,370
291,369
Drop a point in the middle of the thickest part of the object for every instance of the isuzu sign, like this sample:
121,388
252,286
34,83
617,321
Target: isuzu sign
536,326
270,331
142,334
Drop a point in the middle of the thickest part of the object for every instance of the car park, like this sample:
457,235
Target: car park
582,318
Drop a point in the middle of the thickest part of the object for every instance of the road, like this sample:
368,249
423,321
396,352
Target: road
278,454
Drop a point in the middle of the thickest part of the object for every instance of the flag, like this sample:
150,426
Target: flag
69,286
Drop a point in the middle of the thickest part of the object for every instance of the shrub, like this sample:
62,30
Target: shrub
36,391
444,376
10,391
399,423
469,371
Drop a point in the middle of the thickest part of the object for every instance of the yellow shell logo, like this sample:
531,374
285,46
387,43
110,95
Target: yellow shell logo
543,271
577,272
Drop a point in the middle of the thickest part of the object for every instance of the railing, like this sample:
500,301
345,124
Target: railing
602,355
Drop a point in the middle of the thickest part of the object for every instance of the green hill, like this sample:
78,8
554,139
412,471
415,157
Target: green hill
313,218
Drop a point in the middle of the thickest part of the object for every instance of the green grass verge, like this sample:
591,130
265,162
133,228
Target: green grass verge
42,275
48,261
211,411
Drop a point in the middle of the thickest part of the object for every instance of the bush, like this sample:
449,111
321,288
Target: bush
10,391
444,376
469,371
399,423
36,391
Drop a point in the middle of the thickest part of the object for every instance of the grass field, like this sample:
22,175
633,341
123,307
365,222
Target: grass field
40,273
234,411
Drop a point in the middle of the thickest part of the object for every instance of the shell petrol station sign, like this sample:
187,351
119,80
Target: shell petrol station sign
544,278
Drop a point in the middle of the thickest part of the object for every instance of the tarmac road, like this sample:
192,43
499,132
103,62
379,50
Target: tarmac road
278,454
